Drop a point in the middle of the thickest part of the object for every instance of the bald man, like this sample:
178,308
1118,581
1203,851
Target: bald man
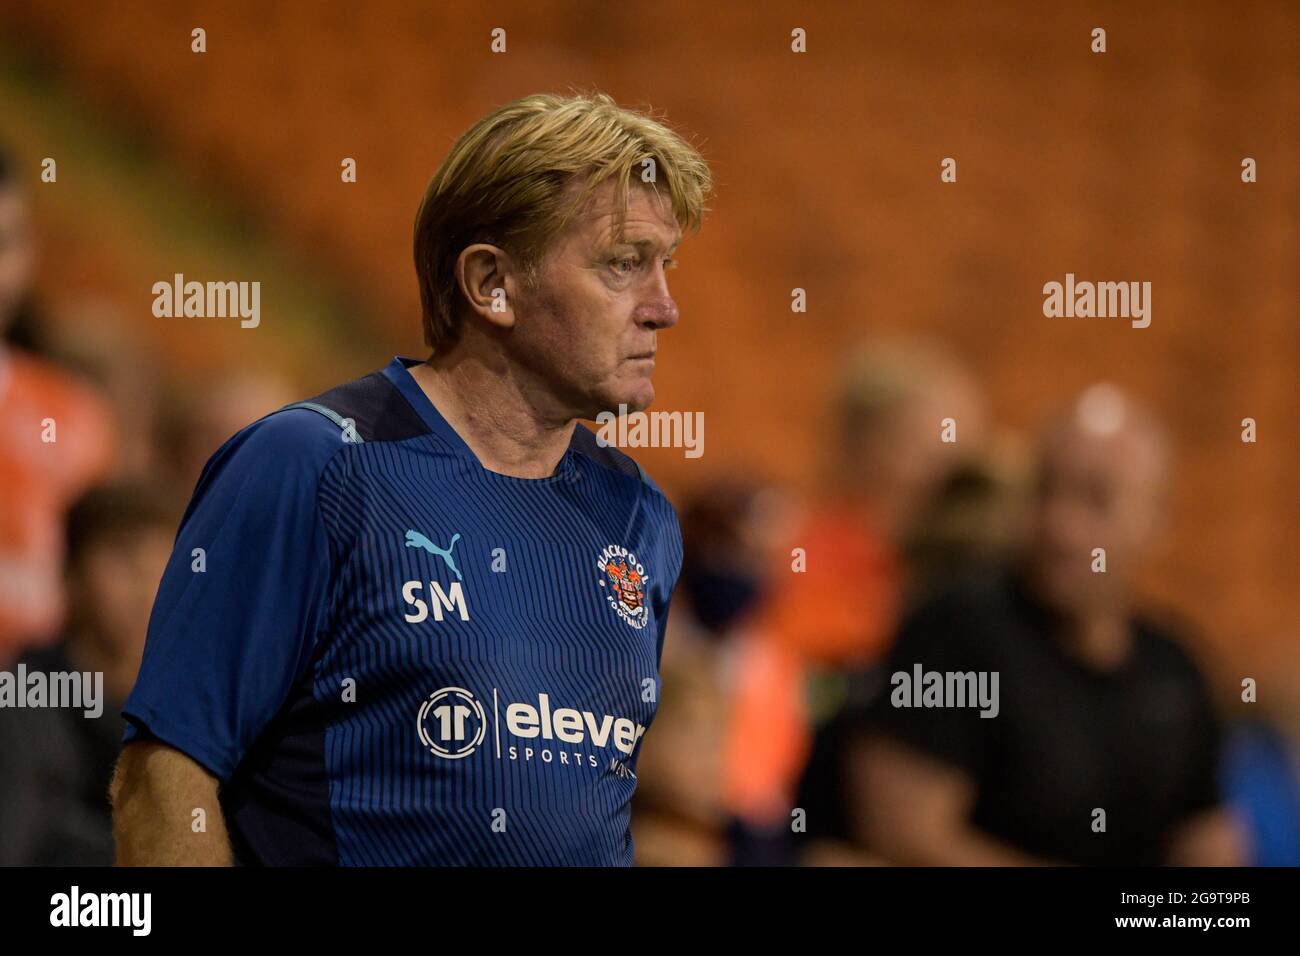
1036,717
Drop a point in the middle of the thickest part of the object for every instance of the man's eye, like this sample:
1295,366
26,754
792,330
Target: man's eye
619,264
670,264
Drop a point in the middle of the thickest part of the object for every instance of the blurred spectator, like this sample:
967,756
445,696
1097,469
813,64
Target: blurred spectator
678,818
55,440
728,535
835,599
56,763
1097,710
100,347
973,521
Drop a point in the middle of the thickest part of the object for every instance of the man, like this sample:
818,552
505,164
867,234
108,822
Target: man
1099,744
56,762
55,441
389,633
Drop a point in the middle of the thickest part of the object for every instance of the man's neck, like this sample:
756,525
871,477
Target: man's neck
495,416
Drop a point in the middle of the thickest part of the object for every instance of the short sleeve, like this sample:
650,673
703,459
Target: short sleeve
933,639
243,596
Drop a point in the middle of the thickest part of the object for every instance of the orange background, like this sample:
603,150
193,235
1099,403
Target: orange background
1121,166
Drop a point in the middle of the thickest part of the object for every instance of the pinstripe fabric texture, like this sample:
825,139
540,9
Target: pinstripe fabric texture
547,676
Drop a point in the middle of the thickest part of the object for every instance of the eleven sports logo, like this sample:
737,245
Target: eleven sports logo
453,723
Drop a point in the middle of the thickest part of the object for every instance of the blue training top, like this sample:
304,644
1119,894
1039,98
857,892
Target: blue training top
390,655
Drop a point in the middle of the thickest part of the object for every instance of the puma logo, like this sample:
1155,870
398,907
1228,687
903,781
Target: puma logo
416,540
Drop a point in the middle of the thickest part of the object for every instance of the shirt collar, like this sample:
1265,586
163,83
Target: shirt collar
398,372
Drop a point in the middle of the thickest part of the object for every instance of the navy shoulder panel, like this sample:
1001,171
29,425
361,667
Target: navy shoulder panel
373,405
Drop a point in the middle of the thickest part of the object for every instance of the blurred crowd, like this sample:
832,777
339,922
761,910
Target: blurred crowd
796,726
785,735
99,451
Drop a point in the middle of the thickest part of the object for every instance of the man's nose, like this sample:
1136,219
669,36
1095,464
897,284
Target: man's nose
658,311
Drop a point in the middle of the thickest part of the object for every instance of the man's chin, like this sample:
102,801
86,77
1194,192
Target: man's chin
640,402
625,400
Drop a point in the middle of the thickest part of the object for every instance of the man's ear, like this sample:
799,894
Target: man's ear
488,280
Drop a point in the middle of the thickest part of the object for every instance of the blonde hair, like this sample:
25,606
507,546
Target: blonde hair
506,182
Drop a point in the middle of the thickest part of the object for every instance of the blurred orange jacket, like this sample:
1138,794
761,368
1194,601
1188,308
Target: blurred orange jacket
838,612
55,441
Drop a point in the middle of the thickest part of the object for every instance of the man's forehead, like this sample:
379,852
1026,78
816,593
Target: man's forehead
633,233
639,231
647,212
